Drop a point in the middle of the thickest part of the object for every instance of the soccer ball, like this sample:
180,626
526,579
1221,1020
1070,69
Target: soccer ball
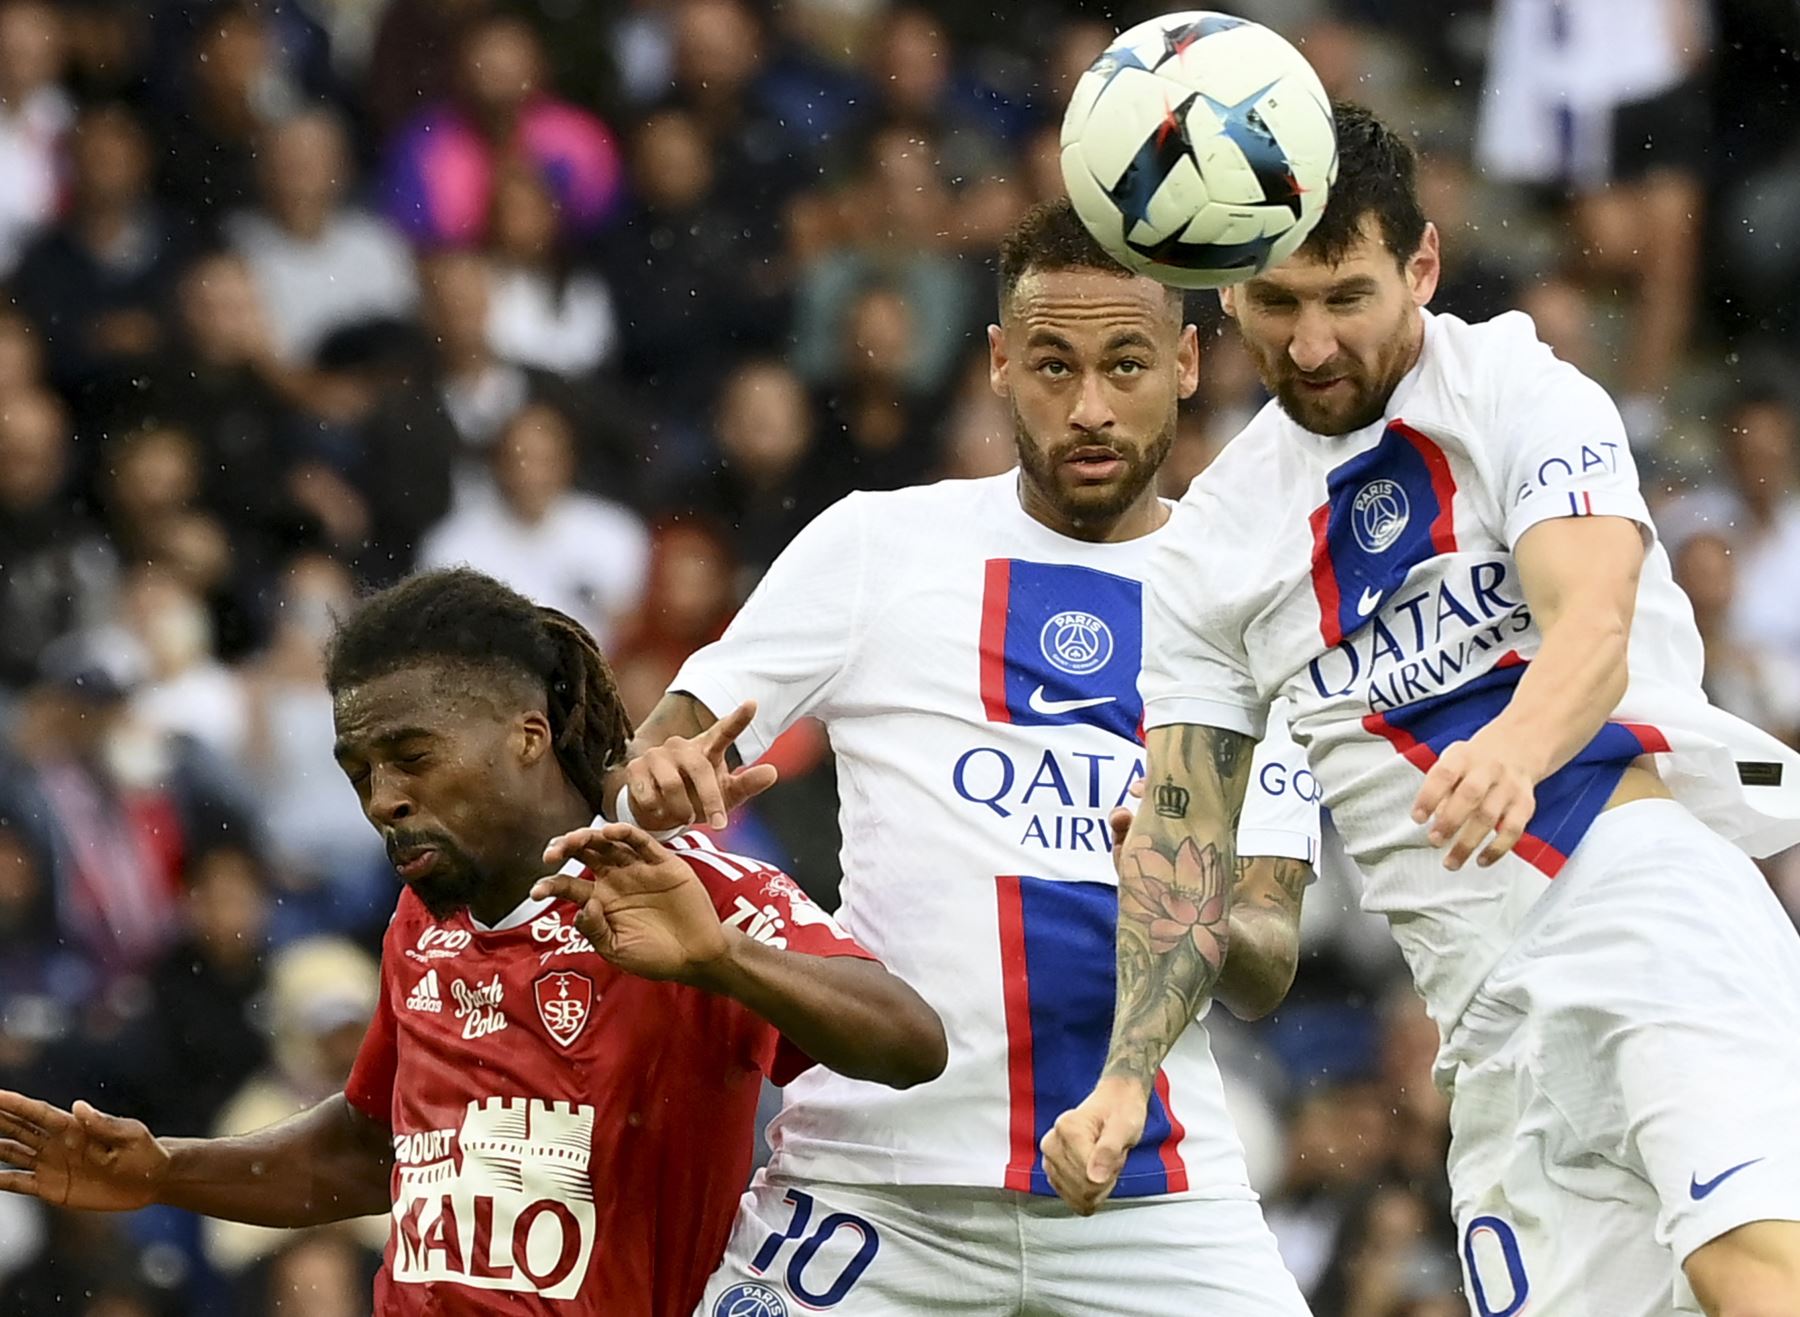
1199,148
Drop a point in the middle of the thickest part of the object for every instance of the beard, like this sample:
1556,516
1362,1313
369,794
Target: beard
1359,400
454,881
1085,505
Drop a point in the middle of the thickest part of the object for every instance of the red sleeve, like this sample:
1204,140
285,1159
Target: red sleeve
370,1088
771,907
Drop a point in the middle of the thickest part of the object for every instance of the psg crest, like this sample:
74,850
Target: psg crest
1381,511
1077,642
565,999
750,1300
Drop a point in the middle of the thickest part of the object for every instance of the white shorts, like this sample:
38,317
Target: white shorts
1627,1080
898,1251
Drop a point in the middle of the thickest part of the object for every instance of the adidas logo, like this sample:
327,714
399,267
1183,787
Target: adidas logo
426,996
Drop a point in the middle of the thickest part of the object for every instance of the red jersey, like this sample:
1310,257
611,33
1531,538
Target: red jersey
569,1139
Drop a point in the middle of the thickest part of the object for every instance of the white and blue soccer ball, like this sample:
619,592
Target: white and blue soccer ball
1199,149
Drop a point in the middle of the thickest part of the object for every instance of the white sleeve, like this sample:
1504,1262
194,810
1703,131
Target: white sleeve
1281,808
795,634
1195,668
1561,446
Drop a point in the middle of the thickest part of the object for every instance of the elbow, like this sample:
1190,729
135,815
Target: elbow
1256,1001
920,1052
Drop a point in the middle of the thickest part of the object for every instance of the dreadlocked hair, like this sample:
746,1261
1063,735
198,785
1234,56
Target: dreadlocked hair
464,619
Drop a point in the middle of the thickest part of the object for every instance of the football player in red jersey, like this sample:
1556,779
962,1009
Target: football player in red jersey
556,1097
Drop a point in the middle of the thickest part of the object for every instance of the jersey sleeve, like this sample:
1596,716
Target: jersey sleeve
767,905
1195,669
1562,445
793,637
370,1087
1281,806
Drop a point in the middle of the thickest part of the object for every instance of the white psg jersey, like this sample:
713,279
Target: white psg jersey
978,675
1369,579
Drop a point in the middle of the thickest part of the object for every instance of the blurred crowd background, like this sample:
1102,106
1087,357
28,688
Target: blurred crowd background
609,299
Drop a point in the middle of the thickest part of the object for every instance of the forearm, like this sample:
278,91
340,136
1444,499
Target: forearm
1175,894
1571,688
325,1164
844,1012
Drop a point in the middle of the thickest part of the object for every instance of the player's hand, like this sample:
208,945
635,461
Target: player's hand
641,907
82,1158
1479,788
1085,1150
687,780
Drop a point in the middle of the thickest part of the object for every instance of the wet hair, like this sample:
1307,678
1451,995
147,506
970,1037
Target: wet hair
1377,175
1051,236
469,623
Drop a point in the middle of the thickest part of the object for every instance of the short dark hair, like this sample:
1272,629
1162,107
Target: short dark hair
1377,175
463,619
1051,236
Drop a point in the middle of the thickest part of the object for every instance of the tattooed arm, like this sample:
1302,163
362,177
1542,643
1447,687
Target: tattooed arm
1175,889
1265,935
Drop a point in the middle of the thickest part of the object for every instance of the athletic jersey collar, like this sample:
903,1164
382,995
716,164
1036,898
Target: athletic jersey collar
521,914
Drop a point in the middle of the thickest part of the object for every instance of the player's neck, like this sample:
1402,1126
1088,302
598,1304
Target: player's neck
1146,513
512,881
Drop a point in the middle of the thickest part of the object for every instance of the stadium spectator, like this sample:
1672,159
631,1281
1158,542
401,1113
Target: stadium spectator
35,113
235,85
1596,97
544,311
206,1029
894,227
186,690
56,570
333,870
1753,682
427,447
97,284
120,805
321,993
696,277
878,430
767,483
320,264
577,553
315,1273
443,165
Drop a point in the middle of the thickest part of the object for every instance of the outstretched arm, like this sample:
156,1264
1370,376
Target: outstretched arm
1176,871
325,1164
647,912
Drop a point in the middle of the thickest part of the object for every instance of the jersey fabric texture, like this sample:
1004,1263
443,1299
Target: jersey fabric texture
978,676
568,1138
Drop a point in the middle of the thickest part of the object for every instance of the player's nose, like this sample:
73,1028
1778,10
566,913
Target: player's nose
387,803
1093,409
1313,343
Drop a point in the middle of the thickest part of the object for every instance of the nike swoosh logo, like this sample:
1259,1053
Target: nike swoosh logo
1368,602
1050,707
1698,1189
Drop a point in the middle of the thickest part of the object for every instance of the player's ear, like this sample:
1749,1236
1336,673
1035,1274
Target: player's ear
1228,301
997,380
532,737
1425,266
1187,362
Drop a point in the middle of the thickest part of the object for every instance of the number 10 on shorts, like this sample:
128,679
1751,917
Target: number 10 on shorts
819,1282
